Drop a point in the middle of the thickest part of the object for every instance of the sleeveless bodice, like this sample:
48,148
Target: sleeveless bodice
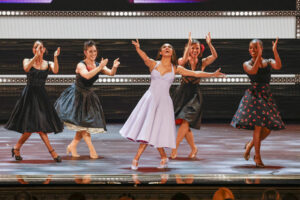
191,79
36,77
263,75
161,83
83,82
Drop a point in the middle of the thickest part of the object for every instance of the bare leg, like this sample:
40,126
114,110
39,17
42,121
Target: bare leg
141,149
190,139
45,139
17,147
72,146
257,144
88,140
182,131
164,159
265,132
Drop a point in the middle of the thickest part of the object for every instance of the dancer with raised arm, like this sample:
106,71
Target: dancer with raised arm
187,97
79,106
152,120
33,112
257,110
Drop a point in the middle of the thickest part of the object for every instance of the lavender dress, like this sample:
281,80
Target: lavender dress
152,121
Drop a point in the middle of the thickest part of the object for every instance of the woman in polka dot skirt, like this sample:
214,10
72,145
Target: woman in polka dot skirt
257,110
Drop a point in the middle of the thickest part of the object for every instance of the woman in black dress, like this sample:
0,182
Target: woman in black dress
257,110
78,106
187,97
33,111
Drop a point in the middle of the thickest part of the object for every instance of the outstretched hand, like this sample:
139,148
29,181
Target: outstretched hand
103,63
136,43
208,38
274,48
190,39
116,63
57,52
217,73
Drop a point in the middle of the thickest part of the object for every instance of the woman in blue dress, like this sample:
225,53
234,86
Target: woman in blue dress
79,106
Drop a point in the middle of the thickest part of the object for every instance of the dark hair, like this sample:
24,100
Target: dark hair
257,40
40,41
77,196
195,41
88,44
22,196
174,60
180,196
128,196
270,194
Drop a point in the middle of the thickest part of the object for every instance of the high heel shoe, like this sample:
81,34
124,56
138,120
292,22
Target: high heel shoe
14,155
57,158
259,164
134,165
73,152
163,163
246,154
193,154
174,154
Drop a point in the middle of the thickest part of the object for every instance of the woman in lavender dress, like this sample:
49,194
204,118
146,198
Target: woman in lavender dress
152,121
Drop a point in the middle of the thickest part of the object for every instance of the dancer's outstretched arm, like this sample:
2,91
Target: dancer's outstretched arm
81,69
148,61
54,65
113,70
185,72
182,61
210,59
276,64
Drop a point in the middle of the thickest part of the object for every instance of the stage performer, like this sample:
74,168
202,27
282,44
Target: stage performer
33,112
152,120
79,106
187,98
257,110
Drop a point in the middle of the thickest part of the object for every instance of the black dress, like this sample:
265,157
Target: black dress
257,107
33,112
79,107
187,99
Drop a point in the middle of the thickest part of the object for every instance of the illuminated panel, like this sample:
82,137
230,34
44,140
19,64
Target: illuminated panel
25,1
166,1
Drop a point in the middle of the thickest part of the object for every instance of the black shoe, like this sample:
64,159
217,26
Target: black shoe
57,159
14,155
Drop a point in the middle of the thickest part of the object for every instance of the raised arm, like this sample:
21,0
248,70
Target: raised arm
113,70
81,69
182,61
252,69
54,65
148,61
210,59
276,64
185,72
28,63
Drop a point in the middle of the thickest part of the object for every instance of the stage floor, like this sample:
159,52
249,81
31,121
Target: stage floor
219,160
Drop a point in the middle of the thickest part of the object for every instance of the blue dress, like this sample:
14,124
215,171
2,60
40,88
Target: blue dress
79,106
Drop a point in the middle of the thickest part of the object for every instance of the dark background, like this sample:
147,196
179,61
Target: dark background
220,102
124,5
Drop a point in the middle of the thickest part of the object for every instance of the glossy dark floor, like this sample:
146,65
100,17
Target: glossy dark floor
219,160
